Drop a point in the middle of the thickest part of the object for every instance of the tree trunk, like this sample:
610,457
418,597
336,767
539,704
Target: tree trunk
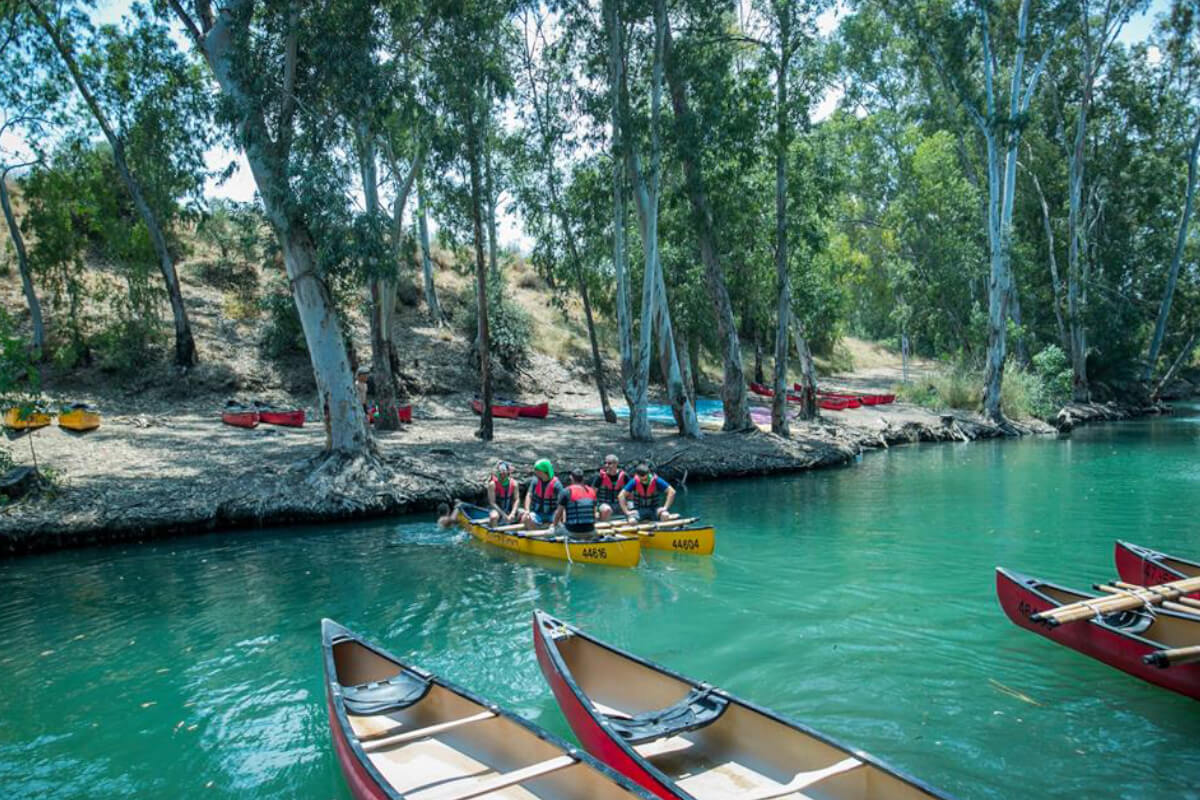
1075,244
633,388
481,277
431,300
733,390
382,293
779,420
1175,365
489,192
808,374
318,314
1164,309
31,298
1021,350
610,416
1055,282
759,377
185,345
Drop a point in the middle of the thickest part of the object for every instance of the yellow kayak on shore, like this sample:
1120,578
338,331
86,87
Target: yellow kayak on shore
79,418
610,550
37,419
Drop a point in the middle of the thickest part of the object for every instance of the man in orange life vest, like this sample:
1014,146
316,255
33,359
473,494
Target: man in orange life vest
541,497
577,506
651,496
608,484
504,496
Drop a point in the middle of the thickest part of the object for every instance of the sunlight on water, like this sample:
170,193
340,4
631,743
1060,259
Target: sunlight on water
859,600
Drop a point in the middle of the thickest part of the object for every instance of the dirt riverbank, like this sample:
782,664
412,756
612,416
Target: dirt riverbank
142,476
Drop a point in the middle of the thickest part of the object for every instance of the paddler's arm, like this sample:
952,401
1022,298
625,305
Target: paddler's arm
622,498
670,497
492,498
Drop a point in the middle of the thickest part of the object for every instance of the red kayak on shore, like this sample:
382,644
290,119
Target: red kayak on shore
865,398
1126,640
509,410
273,415
240,416
1146,567
403,412
685,740
400,732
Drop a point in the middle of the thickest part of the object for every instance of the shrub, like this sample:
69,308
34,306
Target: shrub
1052,366
408,293
509,327
961,388
282,334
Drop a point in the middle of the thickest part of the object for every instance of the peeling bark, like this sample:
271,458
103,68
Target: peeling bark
31,298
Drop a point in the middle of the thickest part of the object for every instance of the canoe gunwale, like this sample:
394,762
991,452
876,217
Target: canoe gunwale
331,630
559,548
559,664
1147,555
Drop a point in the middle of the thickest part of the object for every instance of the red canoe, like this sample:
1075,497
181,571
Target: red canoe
508,410
1122,640
1146,567
403,412
290,418
685,740
766,391
401,732
239,417
865,398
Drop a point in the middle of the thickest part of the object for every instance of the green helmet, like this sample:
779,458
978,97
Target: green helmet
545,466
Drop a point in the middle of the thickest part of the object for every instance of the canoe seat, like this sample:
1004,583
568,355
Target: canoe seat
380,697
1129,621
698,708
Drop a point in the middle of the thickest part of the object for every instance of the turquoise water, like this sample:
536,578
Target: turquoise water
859,600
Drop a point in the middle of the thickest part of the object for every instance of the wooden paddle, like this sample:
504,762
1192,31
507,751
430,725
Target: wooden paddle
1121,600
613,527
1176,655
1186,601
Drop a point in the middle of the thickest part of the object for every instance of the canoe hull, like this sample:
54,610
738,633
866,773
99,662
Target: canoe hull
500,412
587,730
694,541
286,419
362,785
1021,597
742,732
240,419
14,420
1146,567
79,420
622,552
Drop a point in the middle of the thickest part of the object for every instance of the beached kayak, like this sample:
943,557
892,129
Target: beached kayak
239,416
685,740
1127,640
273,415
79,417
510,410
13,418
401,733
610,550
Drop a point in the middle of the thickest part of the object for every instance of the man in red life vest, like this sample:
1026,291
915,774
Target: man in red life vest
541,497
650,495
577,506
608,484
504,495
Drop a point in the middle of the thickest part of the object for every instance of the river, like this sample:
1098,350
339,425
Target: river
859,600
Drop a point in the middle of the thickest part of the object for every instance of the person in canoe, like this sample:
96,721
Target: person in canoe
576,509
650,495
504,496
541,497
608,484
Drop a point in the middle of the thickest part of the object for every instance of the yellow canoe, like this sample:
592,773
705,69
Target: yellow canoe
14,420
696,541
79,418
610,551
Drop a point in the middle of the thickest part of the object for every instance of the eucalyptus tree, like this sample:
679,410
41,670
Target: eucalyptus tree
130,78
546,111
681,76
273,69
958,38
472,74
1183,64
645,183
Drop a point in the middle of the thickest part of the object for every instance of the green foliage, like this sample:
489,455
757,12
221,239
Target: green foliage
282,335
510,330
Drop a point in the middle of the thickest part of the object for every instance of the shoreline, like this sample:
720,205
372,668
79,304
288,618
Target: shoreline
141,478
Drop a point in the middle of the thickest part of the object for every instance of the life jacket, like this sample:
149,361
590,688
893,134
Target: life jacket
506,496
581,505
545,496
608,489
648,497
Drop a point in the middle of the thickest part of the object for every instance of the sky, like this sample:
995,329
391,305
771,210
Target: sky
240,186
